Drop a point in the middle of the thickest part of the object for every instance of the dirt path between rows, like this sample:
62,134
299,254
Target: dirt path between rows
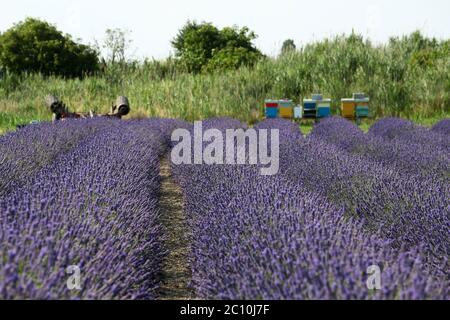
176,271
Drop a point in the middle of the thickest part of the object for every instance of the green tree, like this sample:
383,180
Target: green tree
288,46
37,46
203,47
230,58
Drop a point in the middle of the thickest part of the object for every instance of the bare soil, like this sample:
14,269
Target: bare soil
176,270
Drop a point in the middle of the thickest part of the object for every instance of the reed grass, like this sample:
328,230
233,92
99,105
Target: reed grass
408,77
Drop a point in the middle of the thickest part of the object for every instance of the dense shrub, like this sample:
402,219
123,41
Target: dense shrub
203,47
37,46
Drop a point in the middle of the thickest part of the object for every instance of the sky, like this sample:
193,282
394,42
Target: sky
153,24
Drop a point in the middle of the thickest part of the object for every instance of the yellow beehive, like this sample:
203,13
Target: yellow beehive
286,112
348,108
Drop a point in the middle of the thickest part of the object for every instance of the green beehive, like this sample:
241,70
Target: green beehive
362,107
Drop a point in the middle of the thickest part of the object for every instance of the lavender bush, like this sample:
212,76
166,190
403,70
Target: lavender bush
412,211
442,127
256,237
288,130
412,158
25,152
343,201
408,132
95,208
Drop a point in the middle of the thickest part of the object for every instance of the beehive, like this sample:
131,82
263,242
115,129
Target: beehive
348,107
285,103
286,112
309,107
324,108
271,108
271,112
362,107
359,96
362,102
286,109
271,103
298,112
362,112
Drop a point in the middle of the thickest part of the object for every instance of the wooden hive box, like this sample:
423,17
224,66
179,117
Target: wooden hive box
271,103
271,108
348,107
287,113
362,107
298,112
286,109
324,108
271,113
309,108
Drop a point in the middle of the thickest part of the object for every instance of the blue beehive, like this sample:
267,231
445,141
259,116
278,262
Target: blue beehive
271,108
271,112
324,108
323,112
309,108
309,104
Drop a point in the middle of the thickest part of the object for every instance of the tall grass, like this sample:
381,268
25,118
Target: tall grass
407,77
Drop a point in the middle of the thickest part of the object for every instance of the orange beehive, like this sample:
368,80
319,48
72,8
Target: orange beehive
348,108
287,113
286,109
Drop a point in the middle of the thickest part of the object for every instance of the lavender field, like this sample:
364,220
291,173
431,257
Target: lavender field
89,194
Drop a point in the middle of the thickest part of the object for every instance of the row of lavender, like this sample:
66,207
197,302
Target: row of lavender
411,210
92,210
442,127
399,179
404,130
24,153
281,238
397,143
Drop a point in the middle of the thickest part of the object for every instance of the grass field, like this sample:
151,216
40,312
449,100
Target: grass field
409,77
